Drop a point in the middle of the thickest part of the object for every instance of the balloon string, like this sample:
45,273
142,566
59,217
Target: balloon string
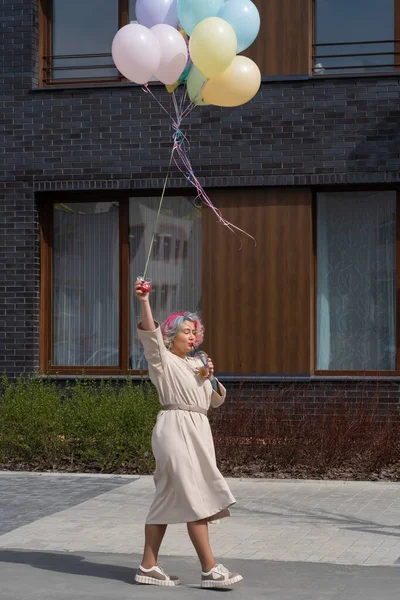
158,213
147,90
182,146
202,195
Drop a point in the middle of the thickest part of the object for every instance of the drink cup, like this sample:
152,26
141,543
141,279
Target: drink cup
145,285
204,370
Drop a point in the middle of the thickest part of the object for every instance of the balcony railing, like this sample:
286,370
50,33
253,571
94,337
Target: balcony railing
75,67
328,58
348,57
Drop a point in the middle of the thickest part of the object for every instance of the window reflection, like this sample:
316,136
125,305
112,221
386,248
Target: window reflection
175,259
361,34
83,28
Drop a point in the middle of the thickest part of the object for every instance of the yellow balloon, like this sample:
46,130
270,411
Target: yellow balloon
238,84
195,83
213,46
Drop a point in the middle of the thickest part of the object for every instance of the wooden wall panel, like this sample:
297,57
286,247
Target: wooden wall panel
257,301
284,44
45,13
46,227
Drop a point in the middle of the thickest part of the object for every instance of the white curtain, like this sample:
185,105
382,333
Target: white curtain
86,284
175,259
356,275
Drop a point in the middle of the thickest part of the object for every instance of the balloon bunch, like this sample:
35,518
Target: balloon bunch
194,43
193,40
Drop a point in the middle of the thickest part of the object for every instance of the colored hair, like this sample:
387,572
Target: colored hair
174,322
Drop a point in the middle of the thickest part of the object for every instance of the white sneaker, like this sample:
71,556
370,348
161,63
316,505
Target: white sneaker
155,576
219,577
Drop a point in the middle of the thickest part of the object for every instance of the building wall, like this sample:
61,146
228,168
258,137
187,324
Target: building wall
369,399
258,294
301,131
307,132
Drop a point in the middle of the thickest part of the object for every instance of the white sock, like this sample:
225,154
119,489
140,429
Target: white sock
208,571
146,570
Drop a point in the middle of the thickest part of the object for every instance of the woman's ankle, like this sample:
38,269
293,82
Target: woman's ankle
206,568
148,563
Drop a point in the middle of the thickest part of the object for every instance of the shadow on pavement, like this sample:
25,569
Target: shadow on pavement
72,564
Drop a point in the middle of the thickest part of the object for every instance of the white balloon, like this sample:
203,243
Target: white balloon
174,53
136,53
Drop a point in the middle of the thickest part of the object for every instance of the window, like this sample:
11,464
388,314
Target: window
76,39
85,284
354,36
356,281
176,277
91,254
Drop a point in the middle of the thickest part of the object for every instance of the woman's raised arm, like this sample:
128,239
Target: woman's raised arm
147,323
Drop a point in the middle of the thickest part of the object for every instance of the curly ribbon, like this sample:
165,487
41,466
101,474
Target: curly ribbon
181,147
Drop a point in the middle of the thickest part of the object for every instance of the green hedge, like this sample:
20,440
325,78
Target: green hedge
85,426
90,426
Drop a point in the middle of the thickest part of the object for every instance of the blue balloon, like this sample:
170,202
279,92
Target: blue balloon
244,17
192,12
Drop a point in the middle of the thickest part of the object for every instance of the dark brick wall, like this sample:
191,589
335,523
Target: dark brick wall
293,133
378,400
19,229
19,280
299,132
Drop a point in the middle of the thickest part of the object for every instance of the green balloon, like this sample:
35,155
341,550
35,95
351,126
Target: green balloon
195,83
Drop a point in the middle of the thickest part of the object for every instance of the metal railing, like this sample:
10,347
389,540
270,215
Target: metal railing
53,70
325,62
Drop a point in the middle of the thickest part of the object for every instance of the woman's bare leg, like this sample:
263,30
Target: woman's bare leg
154,535
198,533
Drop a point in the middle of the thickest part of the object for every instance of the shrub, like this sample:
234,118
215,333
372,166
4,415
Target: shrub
281,436
105,427
88,425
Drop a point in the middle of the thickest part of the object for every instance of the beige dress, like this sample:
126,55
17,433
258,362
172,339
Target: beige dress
189,486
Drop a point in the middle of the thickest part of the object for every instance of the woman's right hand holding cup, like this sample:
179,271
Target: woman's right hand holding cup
142,289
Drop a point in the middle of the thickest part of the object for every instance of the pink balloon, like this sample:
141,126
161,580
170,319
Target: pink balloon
155,12
174,53
136,53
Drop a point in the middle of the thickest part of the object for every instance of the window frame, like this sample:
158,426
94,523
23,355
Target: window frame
45,45
358,373
46,216
349,72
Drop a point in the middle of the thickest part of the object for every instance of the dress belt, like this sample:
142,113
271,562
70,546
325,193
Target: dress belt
197,409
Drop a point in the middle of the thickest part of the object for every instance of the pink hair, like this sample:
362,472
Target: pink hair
174,322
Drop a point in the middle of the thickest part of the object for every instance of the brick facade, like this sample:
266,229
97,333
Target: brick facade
309,132
311,398
299,131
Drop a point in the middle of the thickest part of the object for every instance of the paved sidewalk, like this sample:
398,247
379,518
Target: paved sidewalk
294,539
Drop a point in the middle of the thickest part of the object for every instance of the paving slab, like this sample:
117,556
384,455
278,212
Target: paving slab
27,497
81,536
313,521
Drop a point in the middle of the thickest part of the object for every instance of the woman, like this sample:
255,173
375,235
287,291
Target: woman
189,487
